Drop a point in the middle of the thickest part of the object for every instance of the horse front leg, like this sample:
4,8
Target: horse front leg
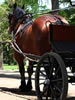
22,73
30,72
19,59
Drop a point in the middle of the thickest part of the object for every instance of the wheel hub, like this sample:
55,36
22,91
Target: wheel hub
47,82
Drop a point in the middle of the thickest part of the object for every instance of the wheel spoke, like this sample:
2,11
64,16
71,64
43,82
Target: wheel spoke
40,83
47,94
41,94
49,61
56,80
50,66
43,73
58,89
57,70
45,67
53,93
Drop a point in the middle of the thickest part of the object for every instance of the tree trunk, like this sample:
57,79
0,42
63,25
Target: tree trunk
55,4
1,57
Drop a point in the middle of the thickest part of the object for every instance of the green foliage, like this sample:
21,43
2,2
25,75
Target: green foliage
12,67
8,67
8,54
4,36
3,22
69,15
72,19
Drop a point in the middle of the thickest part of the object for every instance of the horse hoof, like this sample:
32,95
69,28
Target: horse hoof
22,88
29,86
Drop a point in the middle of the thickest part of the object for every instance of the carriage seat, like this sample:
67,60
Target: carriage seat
62,38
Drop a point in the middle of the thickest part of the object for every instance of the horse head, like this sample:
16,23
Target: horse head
15,18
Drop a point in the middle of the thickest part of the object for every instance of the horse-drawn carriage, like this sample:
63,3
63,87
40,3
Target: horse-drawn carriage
53,40
52,75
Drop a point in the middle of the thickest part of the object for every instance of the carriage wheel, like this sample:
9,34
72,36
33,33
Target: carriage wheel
51,81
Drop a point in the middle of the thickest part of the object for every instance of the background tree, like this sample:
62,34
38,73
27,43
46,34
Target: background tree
6,53
1,57
55,4
3,29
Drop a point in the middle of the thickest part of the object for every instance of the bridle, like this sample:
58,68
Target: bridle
13,21
17,21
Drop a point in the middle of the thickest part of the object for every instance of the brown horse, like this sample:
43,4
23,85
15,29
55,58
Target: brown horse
31,37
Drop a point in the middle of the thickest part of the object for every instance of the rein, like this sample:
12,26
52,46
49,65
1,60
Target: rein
28,56
15,46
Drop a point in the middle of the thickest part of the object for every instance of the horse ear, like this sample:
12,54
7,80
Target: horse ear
15,5
23,7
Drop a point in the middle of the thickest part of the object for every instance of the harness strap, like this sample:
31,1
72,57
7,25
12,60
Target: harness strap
29,56
60,21
21,31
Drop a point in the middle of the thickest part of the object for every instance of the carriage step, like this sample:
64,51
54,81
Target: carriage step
71,79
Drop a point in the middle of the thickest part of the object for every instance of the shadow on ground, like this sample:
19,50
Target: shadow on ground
70,98
13,76
17,92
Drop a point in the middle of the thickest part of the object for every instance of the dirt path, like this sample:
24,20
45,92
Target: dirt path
10,81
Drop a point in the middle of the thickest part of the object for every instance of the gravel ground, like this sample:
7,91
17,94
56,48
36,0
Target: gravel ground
10,81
